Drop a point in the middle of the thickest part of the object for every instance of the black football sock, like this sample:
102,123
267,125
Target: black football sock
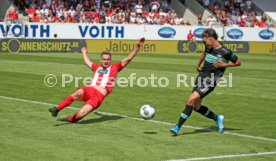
185,115
205,111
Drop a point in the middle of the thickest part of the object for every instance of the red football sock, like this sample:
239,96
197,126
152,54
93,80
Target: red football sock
74,118
66,102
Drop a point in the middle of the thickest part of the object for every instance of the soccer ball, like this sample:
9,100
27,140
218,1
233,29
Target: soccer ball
147,112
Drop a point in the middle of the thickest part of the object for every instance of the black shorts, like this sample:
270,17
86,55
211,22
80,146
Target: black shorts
205,85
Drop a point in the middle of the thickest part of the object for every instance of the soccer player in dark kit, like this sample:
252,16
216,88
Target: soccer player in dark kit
216,59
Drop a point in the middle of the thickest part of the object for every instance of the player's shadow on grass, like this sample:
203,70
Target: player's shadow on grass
91,121
100,119
209,129
150,132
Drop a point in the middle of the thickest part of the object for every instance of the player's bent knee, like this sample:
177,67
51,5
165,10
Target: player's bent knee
75,97
78,94
191,101
196,107
86,109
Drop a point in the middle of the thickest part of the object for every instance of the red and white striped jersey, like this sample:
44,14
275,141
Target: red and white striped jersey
105,77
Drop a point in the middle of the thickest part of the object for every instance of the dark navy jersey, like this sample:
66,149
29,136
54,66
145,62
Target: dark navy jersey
215,55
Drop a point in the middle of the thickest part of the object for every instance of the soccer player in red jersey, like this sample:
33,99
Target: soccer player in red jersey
101,85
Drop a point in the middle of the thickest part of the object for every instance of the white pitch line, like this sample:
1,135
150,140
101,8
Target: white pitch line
191,127
154,121
227,156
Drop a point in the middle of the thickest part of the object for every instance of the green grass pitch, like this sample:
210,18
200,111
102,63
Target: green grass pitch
29,133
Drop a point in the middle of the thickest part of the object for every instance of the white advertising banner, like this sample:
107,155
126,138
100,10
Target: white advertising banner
128,32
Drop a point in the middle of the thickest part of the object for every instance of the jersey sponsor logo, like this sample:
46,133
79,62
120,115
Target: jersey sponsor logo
198,32
166,32
101,71
211,58
235,34
266,34
104,79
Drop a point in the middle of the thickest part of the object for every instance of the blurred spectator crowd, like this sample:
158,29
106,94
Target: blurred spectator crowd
235,13
100,11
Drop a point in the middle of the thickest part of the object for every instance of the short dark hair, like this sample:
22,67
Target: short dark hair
209,33
105,53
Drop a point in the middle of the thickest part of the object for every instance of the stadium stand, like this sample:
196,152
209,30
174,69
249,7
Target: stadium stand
4,7
242,13
202,14
84,11
267,7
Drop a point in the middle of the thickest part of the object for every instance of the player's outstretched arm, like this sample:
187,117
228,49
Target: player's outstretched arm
199,62
225,65
85,57
132,54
